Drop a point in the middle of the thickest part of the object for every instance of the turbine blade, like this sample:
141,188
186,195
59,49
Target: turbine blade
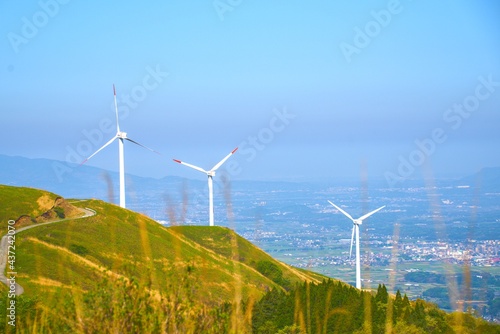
345,213
352,240
192,166
116,110
370,213
133,141
223,160
109,142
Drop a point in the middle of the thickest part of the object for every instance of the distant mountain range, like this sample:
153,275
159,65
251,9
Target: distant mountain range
83,181
178,199
486,178
71,180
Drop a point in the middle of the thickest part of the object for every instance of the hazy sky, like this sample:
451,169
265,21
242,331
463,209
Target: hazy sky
323,89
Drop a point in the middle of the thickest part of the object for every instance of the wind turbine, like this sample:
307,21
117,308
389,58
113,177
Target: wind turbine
355,230
121,136
210,174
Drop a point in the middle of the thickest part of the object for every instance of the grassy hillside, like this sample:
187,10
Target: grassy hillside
117,246
28,206
121,243
16,202
229,244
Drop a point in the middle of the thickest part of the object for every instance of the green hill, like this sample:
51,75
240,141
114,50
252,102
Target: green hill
121,243
24,201
28,206
74,256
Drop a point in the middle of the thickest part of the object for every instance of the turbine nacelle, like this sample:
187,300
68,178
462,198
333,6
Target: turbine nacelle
122,135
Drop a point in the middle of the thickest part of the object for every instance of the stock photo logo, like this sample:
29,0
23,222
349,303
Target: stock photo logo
221,7
454,118
277,124
260,140
32,25
363,36
250,149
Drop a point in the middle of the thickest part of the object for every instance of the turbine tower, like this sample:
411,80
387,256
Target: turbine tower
355,231
121,136
210,174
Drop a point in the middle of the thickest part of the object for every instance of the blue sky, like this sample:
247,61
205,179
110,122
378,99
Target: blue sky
307,89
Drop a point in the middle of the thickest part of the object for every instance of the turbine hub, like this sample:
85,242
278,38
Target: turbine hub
357,222
211,173
122,135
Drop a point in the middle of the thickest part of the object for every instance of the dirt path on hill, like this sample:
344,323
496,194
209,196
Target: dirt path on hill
4,246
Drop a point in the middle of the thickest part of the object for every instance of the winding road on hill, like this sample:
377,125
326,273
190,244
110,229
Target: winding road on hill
4,246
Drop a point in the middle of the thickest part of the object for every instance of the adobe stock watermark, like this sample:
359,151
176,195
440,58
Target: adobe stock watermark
10,249
223,6
251,147
31,26
94,137
453,117
365,35
258,142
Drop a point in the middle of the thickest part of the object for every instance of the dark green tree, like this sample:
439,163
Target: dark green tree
397,307
417,315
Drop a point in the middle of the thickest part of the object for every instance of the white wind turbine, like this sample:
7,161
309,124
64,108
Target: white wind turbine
355,230
210,174
121,136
